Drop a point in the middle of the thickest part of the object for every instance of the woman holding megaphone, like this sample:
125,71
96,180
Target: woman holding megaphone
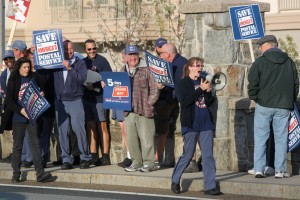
195,95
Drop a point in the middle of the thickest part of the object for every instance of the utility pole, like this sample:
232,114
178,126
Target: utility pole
2,33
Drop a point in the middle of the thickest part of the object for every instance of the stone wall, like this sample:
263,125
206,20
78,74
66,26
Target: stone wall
208,34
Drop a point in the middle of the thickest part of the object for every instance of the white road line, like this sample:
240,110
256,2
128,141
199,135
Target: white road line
104,191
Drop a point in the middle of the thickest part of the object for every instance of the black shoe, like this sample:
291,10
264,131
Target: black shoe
76,160
85,164
165,165
199,163
66,166
125,163
105,161
44,176
7,159
57,162
27,164
175,188
213,191
15,179
97,162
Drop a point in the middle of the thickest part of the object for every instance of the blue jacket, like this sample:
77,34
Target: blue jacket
3,78
98,64
72,89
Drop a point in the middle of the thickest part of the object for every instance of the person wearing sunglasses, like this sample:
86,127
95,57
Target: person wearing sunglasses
195,96
94,99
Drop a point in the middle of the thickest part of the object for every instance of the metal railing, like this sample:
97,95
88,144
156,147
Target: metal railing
286,5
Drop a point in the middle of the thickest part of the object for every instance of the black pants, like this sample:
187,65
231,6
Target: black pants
34,143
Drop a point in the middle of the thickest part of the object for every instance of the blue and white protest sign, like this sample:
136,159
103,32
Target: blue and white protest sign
33,102
117,92
161,70
49,50
294,129
246,22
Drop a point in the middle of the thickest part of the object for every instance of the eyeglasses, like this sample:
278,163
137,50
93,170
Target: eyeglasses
159,53
197,65
89,49
8,58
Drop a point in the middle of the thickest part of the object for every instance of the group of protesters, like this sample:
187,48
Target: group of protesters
77,112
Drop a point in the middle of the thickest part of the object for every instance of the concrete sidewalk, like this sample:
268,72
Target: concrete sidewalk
230,182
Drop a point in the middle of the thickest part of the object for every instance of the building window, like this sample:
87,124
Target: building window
101,1
60,3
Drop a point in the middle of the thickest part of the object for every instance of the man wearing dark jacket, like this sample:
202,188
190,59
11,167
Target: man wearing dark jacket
274,86
68,85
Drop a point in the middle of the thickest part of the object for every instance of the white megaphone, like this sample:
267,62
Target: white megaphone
218,81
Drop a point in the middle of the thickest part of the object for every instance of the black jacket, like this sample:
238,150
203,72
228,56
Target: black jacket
11,101
187,96
273,80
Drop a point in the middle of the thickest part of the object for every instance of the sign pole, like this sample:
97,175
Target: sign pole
11,35
251,50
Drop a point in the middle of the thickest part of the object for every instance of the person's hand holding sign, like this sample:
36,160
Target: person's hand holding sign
23,112
67,65
160,86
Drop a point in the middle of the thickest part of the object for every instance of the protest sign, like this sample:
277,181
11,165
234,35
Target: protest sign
161,70
33,102
117,92
246,22
49,52
18,10
294,129
92,77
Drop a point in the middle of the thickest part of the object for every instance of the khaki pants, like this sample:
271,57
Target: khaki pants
140,134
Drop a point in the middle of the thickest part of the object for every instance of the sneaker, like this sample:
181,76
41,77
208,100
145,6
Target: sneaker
146,168
269,171
192,167
85,164
282,175
105,161
131,168
259,175
125,163
44,176
251,171
97,162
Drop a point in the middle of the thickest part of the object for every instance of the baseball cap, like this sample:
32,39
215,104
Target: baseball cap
8,54
267,38
19,44
160,42
131,49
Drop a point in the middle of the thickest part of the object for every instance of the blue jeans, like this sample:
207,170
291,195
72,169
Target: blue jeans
206,141
262,118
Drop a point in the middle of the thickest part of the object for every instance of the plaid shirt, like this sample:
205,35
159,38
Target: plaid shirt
144,91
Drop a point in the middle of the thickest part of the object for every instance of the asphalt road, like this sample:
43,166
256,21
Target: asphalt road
31,190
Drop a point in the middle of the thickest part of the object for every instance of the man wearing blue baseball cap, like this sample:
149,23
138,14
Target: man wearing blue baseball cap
9,61
139,121
19,48
159,43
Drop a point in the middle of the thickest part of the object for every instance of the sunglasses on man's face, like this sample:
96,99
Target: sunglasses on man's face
89,49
